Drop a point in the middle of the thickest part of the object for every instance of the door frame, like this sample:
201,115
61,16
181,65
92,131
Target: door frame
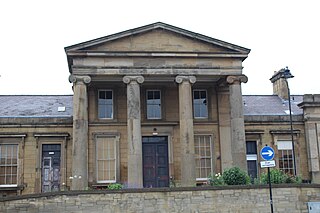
43,158
62,140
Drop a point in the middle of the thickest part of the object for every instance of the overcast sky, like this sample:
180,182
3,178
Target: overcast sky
279,33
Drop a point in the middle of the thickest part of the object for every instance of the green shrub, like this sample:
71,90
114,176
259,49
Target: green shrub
216,180
277,177
293,179
235,176
114,186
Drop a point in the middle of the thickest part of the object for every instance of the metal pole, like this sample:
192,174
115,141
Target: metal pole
291,130
270,190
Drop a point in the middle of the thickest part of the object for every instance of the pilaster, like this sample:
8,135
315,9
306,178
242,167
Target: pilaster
311,111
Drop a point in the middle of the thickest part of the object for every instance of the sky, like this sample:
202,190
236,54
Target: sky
279,33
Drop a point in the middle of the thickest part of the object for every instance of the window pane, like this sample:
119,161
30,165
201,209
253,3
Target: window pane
203,111
196,95
252,169
156,94
2,169
203,94
197,111
251,147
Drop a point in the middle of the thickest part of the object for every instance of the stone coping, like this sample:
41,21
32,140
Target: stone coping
152,190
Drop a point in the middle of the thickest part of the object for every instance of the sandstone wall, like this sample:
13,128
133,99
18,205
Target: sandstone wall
286,198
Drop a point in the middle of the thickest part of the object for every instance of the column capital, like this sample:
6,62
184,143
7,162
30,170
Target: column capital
237,79
79,79
190,78
137,78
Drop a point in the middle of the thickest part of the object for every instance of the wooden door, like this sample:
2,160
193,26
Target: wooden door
155,162
50,175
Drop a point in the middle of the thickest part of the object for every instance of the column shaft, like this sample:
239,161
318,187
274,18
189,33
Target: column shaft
80,133
135,173
238,144
188,172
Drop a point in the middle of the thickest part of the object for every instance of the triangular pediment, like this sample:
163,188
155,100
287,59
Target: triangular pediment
157,37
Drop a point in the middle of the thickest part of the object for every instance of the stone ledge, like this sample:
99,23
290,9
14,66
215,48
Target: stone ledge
273,118
151,190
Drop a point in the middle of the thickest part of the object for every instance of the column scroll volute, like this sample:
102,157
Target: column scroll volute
237,79
79,79
130,79
181,78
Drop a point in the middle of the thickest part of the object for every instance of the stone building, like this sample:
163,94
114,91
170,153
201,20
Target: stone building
152,105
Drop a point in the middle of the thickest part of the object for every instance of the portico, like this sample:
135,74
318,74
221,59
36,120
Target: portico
147,73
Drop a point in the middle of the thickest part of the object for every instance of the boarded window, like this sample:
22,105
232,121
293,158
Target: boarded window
106,159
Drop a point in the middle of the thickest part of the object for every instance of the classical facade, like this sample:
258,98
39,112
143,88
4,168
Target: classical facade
152,105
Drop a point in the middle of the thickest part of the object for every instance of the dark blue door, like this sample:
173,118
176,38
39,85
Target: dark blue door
155,162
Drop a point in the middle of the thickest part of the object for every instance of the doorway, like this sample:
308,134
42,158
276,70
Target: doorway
50,173
155,161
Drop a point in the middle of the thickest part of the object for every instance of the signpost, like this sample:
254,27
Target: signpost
267,153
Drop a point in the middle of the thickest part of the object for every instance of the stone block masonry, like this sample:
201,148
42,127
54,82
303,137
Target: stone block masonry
287,198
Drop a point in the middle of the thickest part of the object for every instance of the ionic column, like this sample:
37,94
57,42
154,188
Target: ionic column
80,132
238,141
188,171
135,176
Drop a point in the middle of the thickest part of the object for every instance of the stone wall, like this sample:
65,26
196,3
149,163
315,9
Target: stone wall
286,198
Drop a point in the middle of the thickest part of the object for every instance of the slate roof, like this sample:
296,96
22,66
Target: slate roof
270,105
35,105
47,105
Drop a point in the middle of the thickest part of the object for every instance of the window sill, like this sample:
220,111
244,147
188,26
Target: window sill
11,187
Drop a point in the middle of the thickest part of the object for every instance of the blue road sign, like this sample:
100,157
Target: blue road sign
267,153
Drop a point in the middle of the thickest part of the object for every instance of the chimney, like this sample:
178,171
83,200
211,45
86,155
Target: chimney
280,87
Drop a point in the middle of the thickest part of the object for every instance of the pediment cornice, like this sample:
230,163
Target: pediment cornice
158,25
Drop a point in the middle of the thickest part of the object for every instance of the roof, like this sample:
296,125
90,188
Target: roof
48,105
36,105
271,105
157,25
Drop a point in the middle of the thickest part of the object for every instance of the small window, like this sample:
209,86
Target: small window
286,163
8,164
106,159
105,104
203,156
200,109
153,104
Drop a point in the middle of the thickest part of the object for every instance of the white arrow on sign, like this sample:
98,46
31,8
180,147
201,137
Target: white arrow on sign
269,153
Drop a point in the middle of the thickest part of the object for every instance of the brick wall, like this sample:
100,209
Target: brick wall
287,198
